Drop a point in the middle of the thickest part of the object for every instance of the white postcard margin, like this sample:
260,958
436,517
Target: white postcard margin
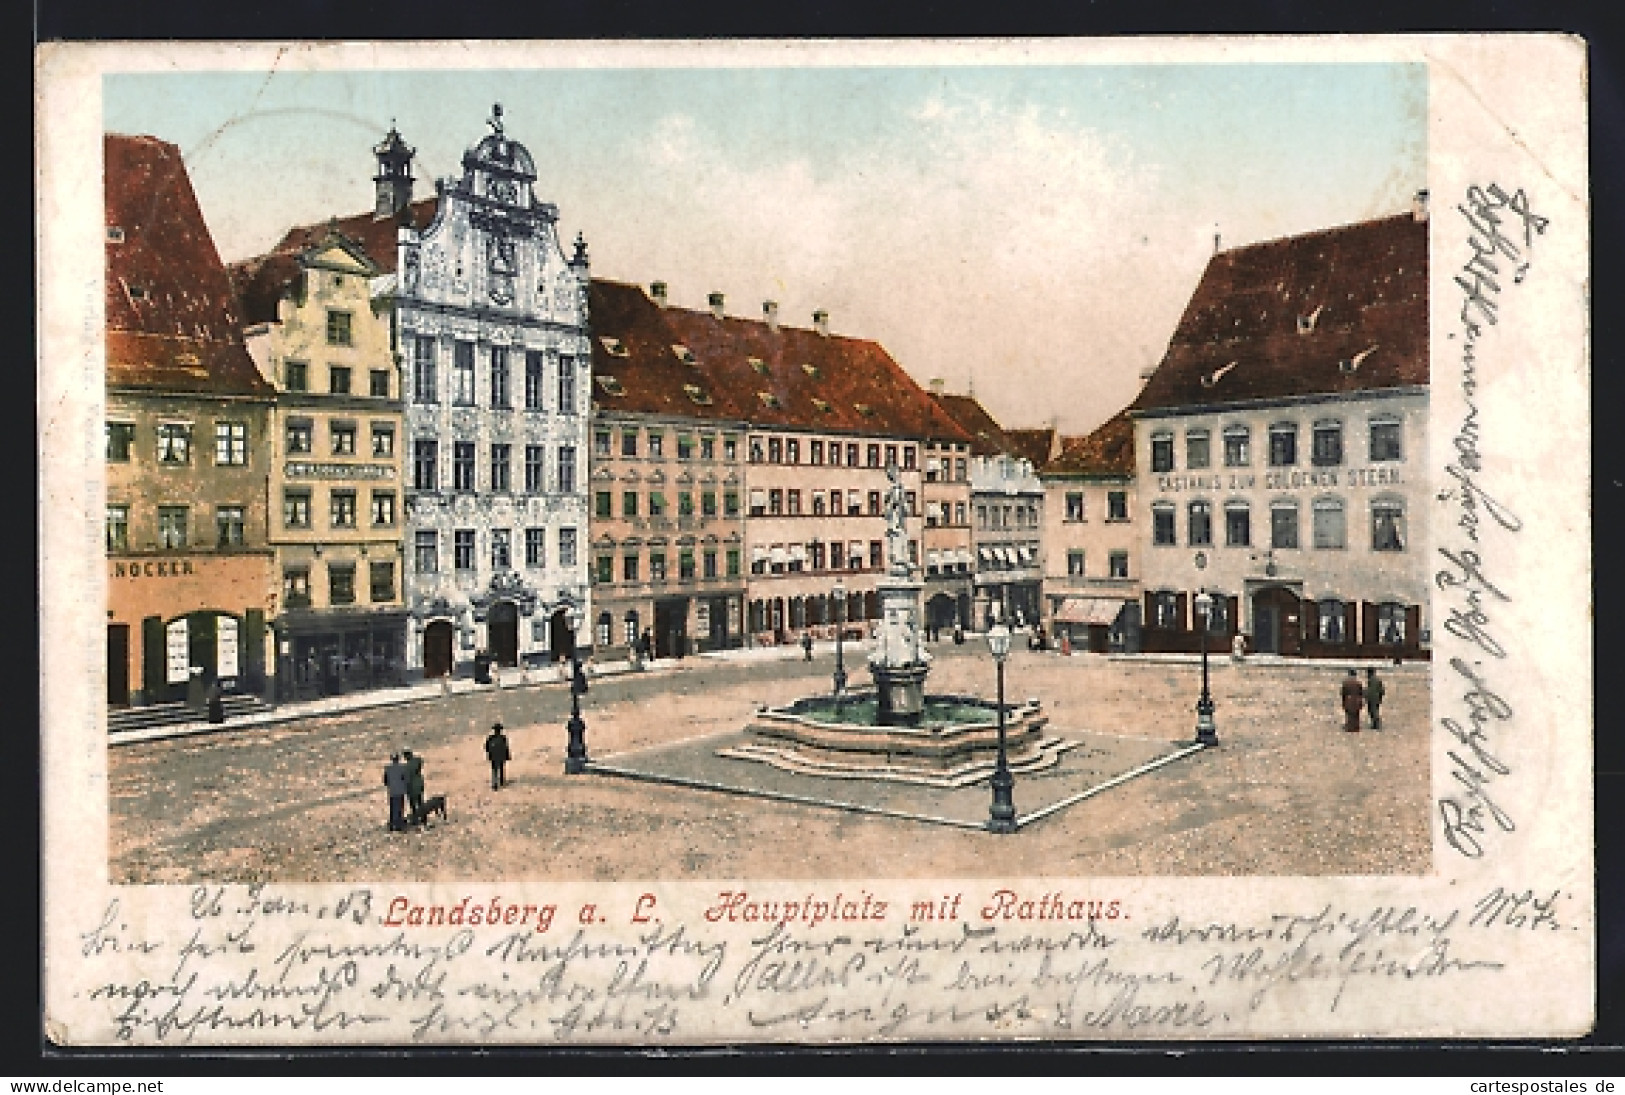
1498,942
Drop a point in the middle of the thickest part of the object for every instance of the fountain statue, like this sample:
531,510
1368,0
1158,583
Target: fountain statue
897,732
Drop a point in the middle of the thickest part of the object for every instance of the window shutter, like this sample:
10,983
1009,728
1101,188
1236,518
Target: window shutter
1309,613
1413,626
152,658
1179,612
1368,633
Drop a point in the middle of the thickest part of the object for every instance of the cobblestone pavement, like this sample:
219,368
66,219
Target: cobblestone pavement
1286,793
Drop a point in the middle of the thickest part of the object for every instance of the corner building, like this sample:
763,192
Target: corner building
187,417
1282,449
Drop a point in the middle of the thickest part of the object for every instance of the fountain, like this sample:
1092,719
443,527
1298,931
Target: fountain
895,731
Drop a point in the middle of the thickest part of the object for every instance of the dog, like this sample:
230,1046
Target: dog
434,804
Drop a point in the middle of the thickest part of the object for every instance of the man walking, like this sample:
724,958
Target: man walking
395,781
806,646
1374,691
497,752
414,785
1353,700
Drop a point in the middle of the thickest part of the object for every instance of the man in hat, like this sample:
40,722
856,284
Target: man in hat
1374,691
414,784
1353,700
395,783
497,752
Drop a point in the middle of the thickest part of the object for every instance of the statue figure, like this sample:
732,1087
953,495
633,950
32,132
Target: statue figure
896,529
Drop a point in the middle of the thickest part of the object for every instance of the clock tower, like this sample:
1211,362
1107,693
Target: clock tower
393,183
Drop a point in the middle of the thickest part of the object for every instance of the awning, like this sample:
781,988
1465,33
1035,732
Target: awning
798,553
758,498
1008,555
778,556
1089,610
933,558
758,555
985,554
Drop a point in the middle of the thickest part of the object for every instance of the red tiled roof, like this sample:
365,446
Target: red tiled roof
1108,451
377,237
172,321
813,381
1033,445
1336,311
988,438
260,283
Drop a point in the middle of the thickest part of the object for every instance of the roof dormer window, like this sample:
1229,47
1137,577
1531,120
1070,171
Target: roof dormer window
810,369
769,399
697,394
822,405
1211,379
1306,324
864,409
613,346
115,234
683,354
611,385
1352,364
758,364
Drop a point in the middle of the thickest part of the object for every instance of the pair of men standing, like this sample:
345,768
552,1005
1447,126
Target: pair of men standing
403,781
1355,696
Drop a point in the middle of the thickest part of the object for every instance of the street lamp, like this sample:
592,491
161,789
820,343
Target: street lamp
575,755
1206,732
839,593
1002,815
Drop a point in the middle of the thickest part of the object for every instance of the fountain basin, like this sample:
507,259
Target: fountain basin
954,742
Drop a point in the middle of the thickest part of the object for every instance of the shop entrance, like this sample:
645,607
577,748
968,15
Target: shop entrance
671,628
561,641
503,627
1275,621
437,649
118,664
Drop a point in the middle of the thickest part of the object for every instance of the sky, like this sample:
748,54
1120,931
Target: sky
1028,233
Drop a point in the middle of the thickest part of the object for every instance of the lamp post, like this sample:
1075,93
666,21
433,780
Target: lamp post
575,754
1206,732
839,593
1002,815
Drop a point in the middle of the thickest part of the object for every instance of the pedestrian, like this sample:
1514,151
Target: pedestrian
646,644
497,752
1353,700
395,781
1374,691
806,646
414,784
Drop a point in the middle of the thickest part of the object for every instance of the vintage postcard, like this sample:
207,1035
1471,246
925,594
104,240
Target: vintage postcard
799,542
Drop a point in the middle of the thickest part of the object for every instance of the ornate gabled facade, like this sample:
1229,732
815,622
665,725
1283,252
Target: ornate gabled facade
491,325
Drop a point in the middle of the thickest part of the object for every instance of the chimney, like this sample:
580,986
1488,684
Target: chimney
821,322
657,290
1146,374
1419,206
938,385
715,300
770,315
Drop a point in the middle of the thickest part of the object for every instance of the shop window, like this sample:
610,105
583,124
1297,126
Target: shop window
1283,525
1238,525
1283,445
341,583
1165,611
1218,613
1331,610
1330,531
1391,624
228,525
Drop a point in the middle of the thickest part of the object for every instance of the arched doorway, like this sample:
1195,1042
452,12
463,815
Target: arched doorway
502,627
437,649
1275,621
939,611
561,641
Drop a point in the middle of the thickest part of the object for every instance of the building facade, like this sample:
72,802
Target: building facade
1091,559
950,553
1007,501
189,563
1282,447
491,323
319,335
